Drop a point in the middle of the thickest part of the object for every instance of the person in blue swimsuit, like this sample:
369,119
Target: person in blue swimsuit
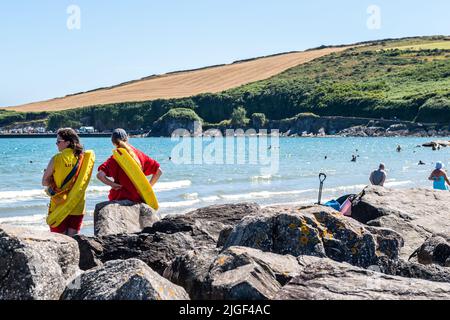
439,177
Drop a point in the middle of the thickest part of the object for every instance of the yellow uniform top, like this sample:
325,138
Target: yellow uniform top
64,162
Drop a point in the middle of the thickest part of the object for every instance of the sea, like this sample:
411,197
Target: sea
199,172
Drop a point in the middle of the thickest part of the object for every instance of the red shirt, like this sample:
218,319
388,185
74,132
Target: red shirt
128,192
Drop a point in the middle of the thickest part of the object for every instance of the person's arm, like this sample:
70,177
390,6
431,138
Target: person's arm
446,179
156,177
383,180
371,178
101,175
432,177
47,177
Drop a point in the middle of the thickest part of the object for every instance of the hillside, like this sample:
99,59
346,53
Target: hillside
390,79
182,84
405,79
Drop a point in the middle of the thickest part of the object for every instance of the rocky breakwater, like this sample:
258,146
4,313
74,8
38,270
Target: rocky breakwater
117,217
311,124
243,251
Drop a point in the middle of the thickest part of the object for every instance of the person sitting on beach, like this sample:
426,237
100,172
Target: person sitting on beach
121,186
60,167
439,177
378,177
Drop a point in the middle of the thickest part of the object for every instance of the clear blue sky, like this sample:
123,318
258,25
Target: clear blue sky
41,58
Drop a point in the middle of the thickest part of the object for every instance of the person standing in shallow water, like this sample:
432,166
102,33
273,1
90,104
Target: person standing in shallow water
59,168
378,177
121,186
439,177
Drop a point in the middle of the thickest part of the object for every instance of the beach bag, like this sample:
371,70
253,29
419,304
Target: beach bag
333,204
346,208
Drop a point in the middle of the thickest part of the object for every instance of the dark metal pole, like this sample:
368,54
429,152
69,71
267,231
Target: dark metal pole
322,178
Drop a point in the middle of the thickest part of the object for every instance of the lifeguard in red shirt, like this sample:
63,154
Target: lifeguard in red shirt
121,186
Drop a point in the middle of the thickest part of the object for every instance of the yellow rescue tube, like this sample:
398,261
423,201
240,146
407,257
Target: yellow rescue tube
137,177
77,192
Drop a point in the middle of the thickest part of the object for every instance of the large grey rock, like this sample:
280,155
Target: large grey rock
173,236
91,249
158,250
191,271
241,273
35,265
324,279
317,231
435,250
412,234
247,282
283,267
116,217
237,273
123,280
410,269
389,242
416,214
208,221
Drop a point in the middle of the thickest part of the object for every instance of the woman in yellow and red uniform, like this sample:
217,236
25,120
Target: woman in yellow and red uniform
58,169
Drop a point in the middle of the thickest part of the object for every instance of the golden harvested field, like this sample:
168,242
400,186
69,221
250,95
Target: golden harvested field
183,84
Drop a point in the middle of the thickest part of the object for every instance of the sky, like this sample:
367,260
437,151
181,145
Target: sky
48,50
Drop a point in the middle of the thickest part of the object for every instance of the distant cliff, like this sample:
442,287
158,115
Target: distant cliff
175,119
304,124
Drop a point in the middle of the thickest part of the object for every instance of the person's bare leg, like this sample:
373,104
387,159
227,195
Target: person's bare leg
72,232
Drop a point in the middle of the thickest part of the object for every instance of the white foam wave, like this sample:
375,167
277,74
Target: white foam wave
172,185
87,223
263,177
98,189
291,203
398,183
346,188
22,194
210,199
178,204
160,186
389,184
31,219
190,196
36,194
263,194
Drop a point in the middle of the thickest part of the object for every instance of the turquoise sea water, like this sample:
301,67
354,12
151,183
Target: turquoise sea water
184,187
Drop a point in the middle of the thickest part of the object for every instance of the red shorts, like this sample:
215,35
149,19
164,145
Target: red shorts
71,222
